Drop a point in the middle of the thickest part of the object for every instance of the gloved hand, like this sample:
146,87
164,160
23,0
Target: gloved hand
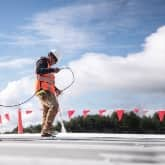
56,70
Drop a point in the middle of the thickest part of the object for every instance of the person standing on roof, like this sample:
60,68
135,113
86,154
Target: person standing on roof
46,90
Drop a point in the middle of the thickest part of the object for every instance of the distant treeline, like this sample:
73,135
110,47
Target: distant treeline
130,123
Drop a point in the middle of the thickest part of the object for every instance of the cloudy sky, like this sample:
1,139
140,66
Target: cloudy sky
114,47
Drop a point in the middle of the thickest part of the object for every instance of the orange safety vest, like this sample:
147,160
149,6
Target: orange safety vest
46,82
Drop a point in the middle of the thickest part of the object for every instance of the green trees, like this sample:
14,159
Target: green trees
130,123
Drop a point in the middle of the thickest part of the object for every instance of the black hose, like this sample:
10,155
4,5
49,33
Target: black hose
28,99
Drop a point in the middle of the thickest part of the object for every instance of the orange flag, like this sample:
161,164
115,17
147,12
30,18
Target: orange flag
101,112
70,113
136,110
85,113
28,111
120,113
7,116
161,114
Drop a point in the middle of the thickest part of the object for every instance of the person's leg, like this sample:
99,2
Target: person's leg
51,114
43,97
44,114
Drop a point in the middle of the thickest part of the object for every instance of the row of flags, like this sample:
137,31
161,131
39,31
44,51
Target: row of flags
119,113
85,113
102,112
6,116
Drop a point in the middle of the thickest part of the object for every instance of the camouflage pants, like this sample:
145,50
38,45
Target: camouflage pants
50,108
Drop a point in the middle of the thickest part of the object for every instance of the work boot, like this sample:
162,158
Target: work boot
46,135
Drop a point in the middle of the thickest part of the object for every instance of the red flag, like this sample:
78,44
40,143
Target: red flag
101,112
7,116
136,110
28,111
120,113
161,115
70,113
85,113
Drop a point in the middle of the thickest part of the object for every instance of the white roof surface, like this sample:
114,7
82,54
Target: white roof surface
82,149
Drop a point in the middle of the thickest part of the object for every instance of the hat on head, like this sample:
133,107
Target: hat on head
54,53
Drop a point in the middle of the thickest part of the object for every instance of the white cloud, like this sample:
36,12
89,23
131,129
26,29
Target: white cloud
17,91
15,63
143,71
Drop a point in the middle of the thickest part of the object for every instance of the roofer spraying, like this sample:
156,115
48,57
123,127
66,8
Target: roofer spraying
47,91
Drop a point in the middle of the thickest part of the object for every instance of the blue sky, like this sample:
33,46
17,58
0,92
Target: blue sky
115,48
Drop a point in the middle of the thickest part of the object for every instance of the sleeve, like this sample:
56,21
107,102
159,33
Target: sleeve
42,66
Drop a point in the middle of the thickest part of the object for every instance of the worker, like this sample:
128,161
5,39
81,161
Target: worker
46,90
